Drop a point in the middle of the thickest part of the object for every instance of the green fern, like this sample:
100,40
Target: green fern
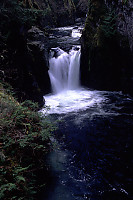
24,136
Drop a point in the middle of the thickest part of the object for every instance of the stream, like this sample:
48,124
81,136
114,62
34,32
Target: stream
93,157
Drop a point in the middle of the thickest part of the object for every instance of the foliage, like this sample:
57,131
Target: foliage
109,24
125,1
75,2
12,11
24,139
100,26
15,16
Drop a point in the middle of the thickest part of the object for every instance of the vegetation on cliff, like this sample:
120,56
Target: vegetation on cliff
17,64
24,140
106,49
24,133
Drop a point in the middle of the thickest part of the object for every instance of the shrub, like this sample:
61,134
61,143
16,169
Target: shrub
15,17
24,139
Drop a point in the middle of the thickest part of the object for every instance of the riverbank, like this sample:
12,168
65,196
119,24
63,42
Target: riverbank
24,140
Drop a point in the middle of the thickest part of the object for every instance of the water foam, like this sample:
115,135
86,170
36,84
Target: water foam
72,101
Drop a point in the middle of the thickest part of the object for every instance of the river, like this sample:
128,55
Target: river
93,154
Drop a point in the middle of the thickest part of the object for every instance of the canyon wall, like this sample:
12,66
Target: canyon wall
107,46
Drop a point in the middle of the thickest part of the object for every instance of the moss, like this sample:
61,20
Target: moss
105,50
100,24
30,3
75,2
99,41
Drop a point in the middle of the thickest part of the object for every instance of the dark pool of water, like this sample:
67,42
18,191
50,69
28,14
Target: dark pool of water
94,157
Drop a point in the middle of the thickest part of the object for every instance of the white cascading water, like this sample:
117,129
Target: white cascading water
64,70
64,73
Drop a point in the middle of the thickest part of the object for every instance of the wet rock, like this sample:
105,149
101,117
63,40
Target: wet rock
78,20
35,34
64,38
2,75
37,40
37,44
82,8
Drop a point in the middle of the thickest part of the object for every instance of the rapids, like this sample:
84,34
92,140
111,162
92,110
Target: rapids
93,159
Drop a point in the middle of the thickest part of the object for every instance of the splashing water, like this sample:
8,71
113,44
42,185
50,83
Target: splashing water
76,33
64,73
64,69
73,101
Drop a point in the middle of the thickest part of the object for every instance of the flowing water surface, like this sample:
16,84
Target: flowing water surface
93,159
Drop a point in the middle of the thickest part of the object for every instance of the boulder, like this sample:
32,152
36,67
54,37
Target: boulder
37,45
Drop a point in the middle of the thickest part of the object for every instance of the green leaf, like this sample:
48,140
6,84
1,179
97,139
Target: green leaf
20,178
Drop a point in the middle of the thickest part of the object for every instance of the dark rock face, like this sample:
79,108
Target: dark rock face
37,46
124,21
25,64
82,8
106,61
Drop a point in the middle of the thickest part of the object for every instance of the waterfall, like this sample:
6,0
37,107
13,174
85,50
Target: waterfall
64,69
